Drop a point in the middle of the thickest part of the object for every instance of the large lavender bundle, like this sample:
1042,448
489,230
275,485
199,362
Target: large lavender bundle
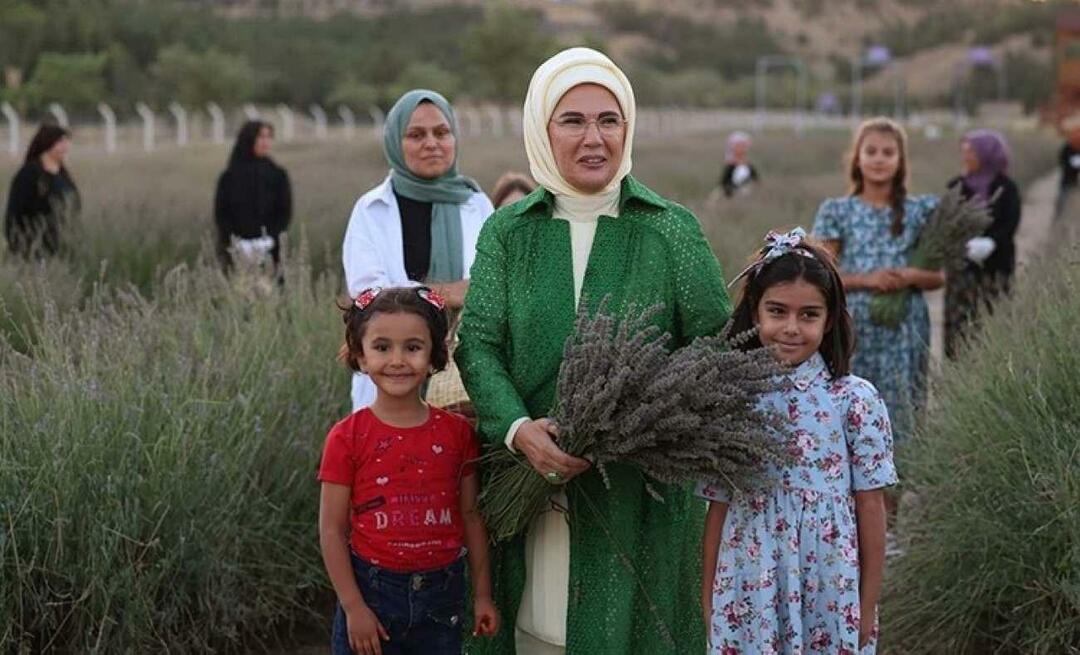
942,245
679,417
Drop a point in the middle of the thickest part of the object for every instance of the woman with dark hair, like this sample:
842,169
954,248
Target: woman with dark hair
42,196
510,188
991,258
253,203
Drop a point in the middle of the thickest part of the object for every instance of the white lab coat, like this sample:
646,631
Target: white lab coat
374,256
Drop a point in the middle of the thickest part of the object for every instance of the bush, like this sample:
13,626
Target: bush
157,462
993,559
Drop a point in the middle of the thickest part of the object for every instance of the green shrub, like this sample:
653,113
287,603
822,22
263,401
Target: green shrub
993,556
157,462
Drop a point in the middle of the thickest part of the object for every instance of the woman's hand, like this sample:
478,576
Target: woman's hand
884,280
536,440
366,633
867,623
452,292
487,617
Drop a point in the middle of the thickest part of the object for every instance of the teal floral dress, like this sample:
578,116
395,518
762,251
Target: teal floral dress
787,575
893,359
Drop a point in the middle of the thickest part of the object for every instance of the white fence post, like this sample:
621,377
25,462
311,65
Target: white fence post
12,117
61,116
496,118
378,118
348,119
180,114
147,115
288,126
320,121
514,118
218,118
251,111
109,118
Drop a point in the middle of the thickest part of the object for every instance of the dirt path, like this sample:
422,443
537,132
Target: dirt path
1034,230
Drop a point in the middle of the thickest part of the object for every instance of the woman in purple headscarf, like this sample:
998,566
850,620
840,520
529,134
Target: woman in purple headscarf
992,256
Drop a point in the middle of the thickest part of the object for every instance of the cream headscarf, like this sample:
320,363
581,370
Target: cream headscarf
549,83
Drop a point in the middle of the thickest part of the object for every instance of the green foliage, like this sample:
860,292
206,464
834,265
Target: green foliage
156,485
502,52
75,81
22,27
421,75
196,78
349,91
993,563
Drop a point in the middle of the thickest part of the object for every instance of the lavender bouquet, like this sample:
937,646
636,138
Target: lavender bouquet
679,417
941,245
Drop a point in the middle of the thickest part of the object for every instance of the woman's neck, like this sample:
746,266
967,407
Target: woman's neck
400,412
879,195
49,164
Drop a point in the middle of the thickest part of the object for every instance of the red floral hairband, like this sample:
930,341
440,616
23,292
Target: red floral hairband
367,296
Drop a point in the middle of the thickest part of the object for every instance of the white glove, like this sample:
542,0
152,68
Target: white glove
979,248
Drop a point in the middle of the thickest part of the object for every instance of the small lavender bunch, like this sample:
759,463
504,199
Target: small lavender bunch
942,244
679,417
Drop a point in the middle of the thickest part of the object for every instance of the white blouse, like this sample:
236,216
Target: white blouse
373,253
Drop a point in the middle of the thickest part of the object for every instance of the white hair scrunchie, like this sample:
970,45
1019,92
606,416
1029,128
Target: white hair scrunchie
549,84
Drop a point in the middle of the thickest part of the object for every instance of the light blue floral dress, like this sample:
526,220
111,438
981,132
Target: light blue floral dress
787,576
893,359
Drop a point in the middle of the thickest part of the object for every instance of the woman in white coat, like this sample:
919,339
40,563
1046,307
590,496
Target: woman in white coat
420,225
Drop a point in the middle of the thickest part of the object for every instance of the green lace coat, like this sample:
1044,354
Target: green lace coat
635,563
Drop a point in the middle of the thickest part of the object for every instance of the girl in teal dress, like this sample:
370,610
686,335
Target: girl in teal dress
872,231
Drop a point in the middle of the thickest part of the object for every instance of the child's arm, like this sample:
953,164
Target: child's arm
364,627
922,278
476,541
870,518
714,532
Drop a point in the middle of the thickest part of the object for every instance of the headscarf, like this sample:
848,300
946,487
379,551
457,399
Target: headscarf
549,83
734,139
446,193
993,154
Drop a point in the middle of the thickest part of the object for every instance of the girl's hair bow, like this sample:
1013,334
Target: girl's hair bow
776,244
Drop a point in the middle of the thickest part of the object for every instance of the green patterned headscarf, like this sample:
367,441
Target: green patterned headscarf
446,194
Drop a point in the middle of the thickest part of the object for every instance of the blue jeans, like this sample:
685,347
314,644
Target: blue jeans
422,612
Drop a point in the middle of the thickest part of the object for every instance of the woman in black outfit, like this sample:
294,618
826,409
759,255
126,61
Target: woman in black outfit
42,197
992,256
254,198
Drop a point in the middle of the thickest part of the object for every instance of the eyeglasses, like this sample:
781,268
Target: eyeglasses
577,125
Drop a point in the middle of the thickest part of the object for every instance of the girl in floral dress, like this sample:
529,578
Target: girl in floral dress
872,231
796,567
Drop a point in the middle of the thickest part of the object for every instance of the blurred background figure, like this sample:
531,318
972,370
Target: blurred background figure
739,174
992,256
253,202
511,187
42,196
1069,161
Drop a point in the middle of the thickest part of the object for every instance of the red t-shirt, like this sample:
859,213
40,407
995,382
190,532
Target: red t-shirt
406,485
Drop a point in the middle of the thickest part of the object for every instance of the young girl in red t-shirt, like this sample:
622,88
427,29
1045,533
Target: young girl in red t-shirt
398,513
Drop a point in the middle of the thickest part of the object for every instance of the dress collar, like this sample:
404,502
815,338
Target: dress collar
805,374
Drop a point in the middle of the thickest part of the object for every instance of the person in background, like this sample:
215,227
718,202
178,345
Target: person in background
510,188
419,226
992,256
872,232
42,196
739,174
253,201
1069,160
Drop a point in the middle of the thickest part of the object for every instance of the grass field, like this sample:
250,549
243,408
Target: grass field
159,431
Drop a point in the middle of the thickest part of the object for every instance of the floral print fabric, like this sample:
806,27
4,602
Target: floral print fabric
787,575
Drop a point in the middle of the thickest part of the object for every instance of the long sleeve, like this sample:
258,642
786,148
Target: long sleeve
1006,212
702,305
481,352
21,210
222,215
364,266
284,209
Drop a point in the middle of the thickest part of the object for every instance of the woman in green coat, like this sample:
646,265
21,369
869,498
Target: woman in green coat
600,572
